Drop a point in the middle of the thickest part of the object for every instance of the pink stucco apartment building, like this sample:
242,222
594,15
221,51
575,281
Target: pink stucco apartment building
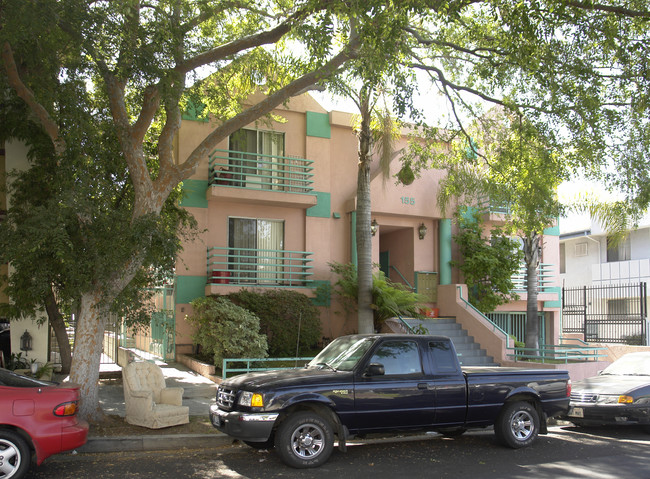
275,204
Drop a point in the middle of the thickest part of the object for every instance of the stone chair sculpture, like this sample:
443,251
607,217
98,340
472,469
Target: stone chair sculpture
149,403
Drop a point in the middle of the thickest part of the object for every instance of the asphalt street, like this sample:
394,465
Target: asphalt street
599,453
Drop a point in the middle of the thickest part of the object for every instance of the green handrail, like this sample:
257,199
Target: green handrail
558,353
402,276
495,327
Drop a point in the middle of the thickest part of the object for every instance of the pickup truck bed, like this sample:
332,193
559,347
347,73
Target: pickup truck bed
384,383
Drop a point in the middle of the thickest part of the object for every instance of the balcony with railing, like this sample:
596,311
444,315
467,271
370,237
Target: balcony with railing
259,267
279,180
260,172
545,277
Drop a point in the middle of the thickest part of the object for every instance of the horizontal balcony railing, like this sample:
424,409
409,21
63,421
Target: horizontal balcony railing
545,277
489,205
260,172
259,267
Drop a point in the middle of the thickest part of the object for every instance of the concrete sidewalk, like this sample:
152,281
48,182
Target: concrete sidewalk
199,393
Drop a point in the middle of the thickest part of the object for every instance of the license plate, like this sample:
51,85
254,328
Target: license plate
216,420
576,412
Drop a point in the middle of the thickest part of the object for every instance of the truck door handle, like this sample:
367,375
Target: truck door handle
423,386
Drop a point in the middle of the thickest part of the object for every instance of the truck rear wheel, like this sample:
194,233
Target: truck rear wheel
304,440
517,425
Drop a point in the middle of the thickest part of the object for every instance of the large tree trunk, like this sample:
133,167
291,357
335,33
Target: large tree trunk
58,325
531,258
364,238
89,342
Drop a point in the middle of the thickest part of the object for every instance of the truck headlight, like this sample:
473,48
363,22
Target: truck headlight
251,399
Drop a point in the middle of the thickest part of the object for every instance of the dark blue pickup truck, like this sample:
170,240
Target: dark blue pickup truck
384,383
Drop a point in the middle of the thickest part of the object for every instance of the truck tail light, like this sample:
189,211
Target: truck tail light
66,409
568,388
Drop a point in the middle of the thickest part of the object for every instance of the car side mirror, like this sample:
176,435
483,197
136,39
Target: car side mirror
375,369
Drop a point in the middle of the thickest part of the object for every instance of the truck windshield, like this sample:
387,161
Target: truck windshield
342,354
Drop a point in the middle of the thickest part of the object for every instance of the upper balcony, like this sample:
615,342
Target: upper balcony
545,282
255,177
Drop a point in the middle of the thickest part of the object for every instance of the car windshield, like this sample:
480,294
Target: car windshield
636,364
342,354
8,378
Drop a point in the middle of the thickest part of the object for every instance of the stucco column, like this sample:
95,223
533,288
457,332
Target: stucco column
445,251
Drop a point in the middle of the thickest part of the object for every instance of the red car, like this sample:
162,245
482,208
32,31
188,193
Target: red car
37,419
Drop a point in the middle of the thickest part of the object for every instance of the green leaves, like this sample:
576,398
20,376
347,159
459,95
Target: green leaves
488,263
225,330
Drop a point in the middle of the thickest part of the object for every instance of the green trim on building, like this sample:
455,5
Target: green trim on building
323,290
318,124
557,303
323,207
468,212
445,251
189,288
553,230
194,193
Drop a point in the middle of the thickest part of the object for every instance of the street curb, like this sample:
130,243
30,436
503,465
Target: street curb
154,443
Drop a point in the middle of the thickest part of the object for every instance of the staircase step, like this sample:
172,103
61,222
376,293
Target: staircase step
470,352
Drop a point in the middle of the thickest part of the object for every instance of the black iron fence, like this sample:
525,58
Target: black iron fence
609,313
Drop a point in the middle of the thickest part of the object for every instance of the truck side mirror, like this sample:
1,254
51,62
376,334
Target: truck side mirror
375,369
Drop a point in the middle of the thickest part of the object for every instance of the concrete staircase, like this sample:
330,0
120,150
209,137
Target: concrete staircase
469,352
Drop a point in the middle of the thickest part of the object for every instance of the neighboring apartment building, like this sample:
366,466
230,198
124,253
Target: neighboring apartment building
13,156
587,256
605,283
276,203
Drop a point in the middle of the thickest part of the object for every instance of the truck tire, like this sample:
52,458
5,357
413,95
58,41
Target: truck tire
517,425
15,456
304,440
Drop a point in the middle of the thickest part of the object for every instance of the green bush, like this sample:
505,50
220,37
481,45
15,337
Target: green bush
283,316
225,330
388,299
393,299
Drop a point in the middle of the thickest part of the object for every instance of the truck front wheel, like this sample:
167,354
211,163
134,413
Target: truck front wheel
304,440
517,425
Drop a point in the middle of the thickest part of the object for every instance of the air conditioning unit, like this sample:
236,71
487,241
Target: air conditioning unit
581,249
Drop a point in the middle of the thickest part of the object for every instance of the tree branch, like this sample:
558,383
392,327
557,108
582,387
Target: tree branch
599,7
44,118
187,168
223,51
478,52
441,78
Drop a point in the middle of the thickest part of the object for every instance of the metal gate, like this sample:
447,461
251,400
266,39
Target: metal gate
608,314
157,340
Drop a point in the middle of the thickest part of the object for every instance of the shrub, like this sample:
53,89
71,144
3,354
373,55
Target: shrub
226,330
393,299
388,299
288,318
